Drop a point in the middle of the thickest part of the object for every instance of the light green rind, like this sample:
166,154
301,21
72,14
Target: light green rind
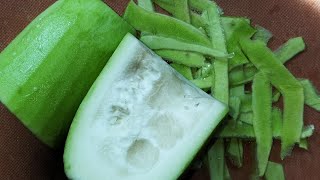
291,89
261,108
163,25
47,70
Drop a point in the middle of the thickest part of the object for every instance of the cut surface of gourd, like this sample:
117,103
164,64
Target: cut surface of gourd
140,120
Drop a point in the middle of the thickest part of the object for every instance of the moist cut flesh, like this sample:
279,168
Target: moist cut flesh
140,120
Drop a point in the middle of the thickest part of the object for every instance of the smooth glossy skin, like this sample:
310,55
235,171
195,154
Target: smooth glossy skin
48,69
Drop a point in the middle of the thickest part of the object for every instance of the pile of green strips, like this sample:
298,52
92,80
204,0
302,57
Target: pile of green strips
222,55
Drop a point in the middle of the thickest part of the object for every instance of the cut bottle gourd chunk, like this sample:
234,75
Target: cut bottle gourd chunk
140,120
49,67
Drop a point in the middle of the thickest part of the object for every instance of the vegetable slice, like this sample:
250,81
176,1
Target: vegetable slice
140,120
48,69
312,97
289,49
284,81
261,106
216,160
158,42
189,59
274,171
163,25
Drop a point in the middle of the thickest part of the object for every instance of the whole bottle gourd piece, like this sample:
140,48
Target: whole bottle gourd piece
46,71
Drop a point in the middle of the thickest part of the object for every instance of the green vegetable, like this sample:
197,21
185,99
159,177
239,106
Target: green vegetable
235,152
262,107
234,104
274,171
189,59
312,97
203,83
216,160
289,49
292,91
140,120
183,70
48,68
158,43
262,34
303,144
246,117
146,4
163,25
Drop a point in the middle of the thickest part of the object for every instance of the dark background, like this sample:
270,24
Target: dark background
22,157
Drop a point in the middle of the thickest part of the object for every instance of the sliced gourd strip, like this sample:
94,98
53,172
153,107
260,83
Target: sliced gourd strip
246,103
183,70
146,4
235,29
234,107
274,171
237,91
220,69
204,71
289,49
189,59
220,66
264,59
307,131
312,97
240,130
246,117
163,25
158,42
226,172
276,96
261,108
247,76
303,144
276,121
203,83
235,152
197,20
181,10
262,34
234,129
216,160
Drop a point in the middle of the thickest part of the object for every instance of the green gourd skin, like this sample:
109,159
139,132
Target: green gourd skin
48,69
291,89
262,125
163,25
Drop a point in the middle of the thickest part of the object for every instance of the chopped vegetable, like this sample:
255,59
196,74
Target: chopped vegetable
187,58
274,171
262,34
235,152
312,97
216,160
291,48
284,81
150,122
183,70
261,106
157,42
163,25
203,83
